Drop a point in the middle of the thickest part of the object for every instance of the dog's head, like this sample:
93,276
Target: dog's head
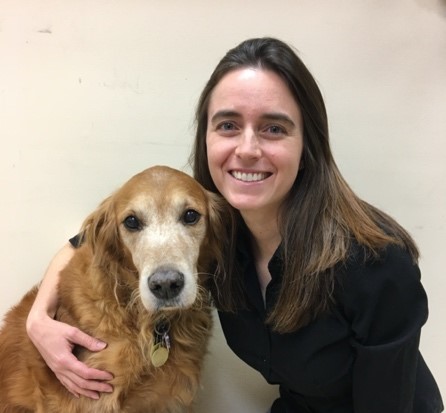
165,226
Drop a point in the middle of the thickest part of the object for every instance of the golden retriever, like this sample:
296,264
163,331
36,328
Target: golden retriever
136,282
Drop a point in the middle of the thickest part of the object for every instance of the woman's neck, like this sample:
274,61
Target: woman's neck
265,236
265,239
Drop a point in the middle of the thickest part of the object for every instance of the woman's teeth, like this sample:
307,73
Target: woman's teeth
249,177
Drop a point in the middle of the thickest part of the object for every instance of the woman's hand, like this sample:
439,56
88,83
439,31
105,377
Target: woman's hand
55,341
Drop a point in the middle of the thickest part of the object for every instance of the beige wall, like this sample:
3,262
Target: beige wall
93,91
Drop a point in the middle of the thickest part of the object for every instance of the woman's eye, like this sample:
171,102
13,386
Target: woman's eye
226,126
275,129
132,223
190,217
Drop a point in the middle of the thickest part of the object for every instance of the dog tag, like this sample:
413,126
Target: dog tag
159,355
160,349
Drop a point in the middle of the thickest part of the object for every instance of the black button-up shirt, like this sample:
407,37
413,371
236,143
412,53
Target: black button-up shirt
363,357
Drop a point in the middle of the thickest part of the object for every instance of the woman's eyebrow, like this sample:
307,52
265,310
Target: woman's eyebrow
278,117
222,114
273,116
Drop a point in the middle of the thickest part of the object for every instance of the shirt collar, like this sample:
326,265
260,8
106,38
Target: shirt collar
250,281
245,256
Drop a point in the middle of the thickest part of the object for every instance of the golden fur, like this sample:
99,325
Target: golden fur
104,291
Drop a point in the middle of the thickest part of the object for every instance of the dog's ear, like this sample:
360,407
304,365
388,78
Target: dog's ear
100,231
218,220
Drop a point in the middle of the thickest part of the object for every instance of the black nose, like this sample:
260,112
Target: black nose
166,283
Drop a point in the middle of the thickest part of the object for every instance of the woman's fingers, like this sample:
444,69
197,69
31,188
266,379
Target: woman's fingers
78,337
76,376
55,342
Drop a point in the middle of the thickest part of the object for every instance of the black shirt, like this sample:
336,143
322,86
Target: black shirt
363,357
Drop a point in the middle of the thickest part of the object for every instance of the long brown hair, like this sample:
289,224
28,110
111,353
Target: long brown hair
321,216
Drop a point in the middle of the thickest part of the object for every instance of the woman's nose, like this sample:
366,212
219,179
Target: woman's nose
248,145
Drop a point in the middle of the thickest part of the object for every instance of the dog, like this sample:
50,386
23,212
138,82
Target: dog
138,282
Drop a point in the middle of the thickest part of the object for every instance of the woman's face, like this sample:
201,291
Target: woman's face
254,140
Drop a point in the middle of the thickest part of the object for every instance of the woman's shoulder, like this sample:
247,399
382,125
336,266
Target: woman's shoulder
363,268
380,289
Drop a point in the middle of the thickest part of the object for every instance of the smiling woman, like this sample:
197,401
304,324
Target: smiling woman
321,292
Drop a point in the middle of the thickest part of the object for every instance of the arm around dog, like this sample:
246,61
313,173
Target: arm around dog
55,340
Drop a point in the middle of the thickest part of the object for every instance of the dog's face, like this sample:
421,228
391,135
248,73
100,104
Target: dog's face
164,220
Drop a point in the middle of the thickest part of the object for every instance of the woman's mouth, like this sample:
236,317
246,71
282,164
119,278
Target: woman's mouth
250,176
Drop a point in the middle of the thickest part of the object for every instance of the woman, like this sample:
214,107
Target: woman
321,293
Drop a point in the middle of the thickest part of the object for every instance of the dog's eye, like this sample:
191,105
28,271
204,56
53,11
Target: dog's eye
190,217
132,223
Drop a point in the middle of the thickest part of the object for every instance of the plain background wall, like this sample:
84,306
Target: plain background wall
92,92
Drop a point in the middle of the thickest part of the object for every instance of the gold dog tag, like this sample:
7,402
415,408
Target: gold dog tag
159,352
159,355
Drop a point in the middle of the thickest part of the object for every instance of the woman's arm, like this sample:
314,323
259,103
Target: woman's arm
55,340
387,307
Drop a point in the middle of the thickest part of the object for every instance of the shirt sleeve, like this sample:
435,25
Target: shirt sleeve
386,305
